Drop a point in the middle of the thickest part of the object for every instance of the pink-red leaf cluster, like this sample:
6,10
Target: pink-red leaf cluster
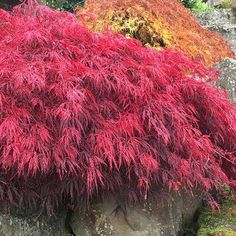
83,113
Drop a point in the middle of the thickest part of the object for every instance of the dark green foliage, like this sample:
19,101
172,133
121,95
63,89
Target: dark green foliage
189,232
67,5
8,5
196,6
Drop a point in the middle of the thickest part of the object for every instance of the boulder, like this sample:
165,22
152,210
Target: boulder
222,21
213,2
166,217
227,69
31,224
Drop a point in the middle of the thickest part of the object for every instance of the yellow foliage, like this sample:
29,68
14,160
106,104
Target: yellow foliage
158,24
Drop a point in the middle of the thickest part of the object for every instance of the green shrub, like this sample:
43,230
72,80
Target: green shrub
196,6
67,5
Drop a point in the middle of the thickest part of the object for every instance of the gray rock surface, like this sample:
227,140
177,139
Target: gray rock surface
31,225
227,69
213,2
222,21
160,218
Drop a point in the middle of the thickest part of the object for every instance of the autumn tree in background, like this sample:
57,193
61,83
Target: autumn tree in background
159,24
83,114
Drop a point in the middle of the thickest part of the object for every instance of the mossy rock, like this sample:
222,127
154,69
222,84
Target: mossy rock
218,223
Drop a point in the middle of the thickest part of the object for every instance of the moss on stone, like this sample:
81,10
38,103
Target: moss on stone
223,222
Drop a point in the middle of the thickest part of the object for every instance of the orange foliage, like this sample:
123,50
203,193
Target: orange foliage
159,24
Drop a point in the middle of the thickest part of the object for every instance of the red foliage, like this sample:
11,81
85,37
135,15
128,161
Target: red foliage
85,113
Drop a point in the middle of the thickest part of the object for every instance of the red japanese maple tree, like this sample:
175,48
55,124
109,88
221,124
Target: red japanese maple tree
83,113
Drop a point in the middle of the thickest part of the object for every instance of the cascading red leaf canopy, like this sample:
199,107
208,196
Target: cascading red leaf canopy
83,113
